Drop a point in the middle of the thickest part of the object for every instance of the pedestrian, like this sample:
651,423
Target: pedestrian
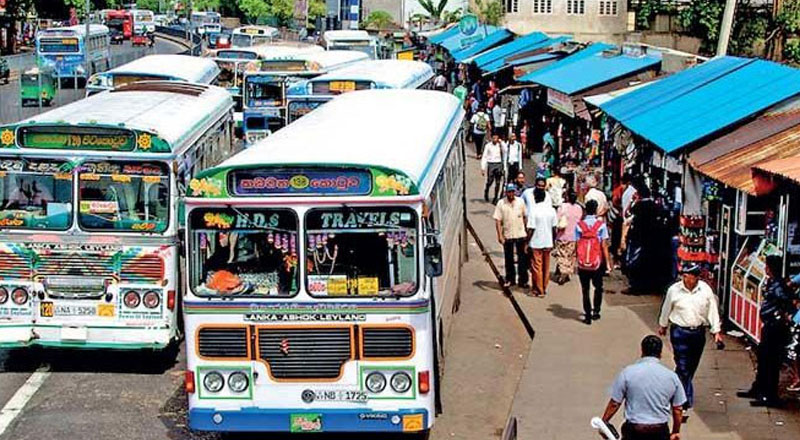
440,82
460,92
595,194
556,185
492,167
569,214
689,309
793,348
651,393
513,157
509,217
591,235
541,229
521,185
498,119
480,124
776,309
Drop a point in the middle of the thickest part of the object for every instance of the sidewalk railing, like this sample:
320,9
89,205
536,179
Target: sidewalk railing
193,41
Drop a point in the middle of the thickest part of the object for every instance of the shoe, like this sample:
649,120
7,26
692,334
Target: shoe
587,321
685,415
596,316
749,394
524,286
793,387
768,403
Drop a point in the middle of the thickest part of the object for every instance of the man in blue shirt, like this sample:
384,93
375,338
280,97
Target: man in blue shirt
651,393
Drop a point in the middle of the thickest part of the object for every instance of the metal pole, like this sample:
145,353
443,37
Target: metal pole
725,28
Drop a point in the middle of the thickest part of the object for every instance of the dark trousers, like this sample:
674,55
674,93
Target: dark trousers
513,170
588,278
632,431
774,337
511,246
687,345
477,138
494,173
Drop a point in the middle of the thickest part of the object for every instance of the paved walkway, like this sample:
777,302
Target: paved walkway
571,365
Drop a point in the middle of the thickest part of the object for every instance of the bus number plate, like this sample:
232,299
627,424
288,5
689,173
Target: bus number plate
340,396
46,309
342,86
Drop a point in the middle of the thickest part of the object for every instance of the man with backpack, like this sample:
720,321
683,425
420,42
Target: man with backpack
480,125
593,260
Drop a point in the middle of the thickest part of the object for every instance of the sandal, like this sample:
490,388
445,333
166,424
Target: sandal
793,388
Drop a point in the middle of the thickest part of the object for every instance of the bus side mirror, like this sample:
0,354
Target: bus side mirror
433,260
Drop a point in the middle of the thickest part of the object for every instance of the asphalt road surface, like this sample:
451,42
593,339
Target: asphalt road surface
12,111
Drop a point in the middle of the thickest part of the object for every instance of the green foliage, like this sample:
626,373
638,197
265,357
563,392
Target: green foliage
282,11
751,26
452,16
648,9
378,20
317,8
791,50
435,10
490,11
788,18
201,5
253,9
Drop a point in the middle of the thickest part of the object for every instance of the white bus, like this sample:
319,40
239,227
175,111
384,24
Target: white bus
264,94
66,50
89,252
323,268
144,21
156,68
199,19
248,36
351,40
304,96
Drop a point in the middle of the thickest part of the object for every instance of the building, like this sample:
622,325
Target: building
586,20
402,10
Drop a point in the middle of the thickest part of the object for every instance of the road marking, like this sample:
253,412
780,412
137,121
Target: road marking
18,401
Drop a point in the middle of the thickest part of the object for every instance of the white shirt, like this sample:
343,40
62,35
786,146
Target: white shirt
693,308
497,115
440,81
627,199
474,121
492,153
514,153
542,220
598,196
530,201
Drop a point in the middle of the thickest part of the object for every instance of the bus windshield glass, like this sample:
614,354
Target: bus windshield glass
240,40
361,46
59,45
263,91
124,196
243,252
361,252
37,194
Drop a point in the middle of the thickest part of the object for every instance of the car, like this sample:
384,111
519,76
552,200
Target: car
219,40
116,36
5,71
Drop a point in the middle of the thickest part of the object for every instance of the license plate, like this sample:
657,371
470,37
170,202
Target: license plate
340,396
46,309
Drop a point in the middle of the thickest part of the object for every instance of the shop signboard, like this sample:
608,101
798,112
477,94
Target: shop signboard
471,31
561,102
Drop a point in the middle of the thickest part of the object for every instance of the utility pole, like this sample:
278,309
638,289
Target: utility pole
86,47
725,28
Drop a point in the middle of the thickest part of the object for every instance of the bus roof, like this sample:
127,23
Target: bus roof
324,61
392,74
183,67
80,29
167,111
275,50
409,136
346,35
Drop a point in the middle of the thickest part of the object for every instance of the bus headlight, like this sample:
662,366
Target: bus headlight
3,295
401,382
376,382
19,296
151,299
131,299
238,382
213,381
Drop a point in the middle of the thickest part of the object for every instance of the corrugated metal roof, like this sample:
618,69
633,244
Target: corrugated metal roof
500,63
754,144
602,98
453,42
508,49
787,168
444,35
686,107
491,40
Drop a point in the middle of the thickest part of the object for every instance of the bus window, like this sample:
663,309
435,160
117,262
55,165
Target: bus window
361,252
239,40
36,194
247,252
263,91
124,196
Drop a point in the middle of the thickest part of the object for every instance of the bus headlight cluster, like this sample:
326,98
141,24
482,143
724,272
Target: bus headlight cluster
19,296
131,299
400,382
151,299
3,295
376,382
214,382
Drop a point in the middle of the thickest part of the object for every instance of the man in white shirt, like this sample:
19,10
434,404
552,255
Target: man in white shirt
492,167
513,157
440,82
498,119
541,229
480,124
627,195
527,195
598,196
690,307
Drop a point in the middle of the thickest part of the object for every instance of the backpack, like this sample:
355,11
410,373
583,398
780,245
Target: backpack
590,252
483,122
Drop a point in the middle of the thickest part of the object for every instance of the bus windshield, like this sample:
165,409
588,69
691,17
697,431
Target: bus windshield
59,45
360,46
240,40
361,252
36,194
263,91
124,196
243,252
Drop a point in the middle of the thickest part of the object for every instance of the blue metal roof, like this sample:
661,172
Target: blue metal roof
502,51
438,38
534,59
591,71
577,56
690,105
493,39
500,62
453,42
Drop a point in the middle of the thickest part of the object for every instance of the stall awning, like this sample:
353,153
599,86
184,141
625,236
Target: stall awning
443,35
540,58
491,40
729,158
781,169
502,62
591,71
598,100
690,105
507,49
453,42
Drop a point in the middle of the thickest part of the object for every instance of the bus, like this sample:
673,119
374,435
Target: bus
144,21
234,62
90,249
248,36
323,268
304,96
351,40
156,68
122,21
264,95
200,18
66,50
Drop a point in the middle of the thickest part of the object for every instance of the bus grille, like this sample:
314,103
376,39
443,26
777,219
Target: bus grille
213,342
13,265
85,265
305,353
382,343
144,269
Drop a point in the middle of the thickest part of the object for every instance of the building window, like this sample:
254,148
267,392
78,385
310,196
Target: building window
542,6
576,7
512,6
608,7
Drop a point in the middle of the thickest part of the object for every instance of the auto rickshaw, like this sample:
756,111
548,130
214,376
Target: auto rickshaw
36,84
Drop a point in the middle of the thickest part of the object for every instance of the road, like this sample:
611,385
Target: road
10,109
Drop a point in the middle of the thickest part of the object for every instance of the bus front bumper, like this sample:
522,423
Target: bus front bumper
308,420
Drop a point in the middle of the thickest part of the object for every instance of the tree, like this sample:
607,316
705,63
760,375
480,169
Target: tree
17,10
751,24
282,11
452,16
201,5
434,10
317,8
490,11
378,20
784,38
254,8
